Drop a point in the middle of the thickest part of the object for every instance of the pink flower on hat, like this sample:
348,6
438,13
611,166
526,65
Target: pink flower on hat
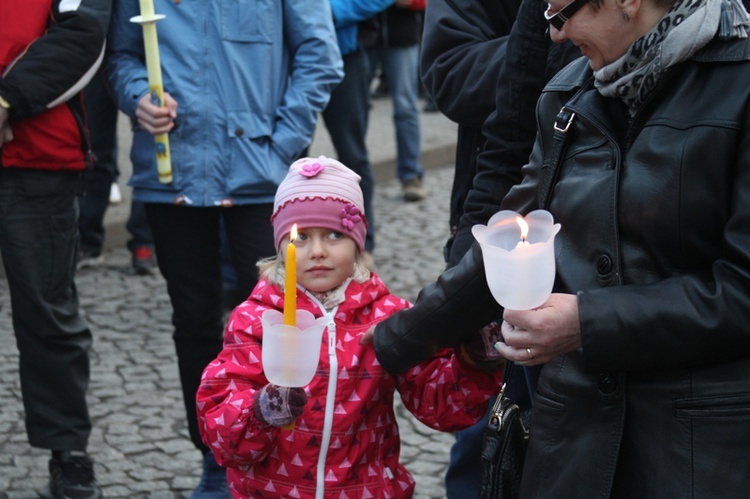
350,216
310,170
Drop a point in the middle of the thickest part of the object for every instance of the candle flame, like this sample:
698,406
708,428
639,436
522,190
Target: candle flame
293,234
524,227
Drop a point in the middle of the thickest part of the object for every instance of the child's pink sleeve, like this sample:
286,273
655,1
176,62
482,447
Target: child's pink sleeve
225,397
447,394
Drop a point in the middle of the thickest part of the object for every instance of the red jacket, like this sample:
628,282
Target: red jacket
362,450
46,57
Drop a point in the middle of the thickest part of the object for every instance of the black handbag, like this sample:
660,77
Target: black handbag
503,447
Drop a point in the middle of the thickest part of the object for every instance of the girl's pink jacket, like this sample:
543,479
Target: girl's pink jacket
346,442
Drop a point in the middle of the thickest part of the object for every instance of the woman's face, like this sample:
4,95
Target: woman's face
602,34
325,258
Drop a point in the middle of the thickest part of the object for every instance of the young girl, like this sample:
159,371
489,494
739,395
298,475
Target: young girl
344,442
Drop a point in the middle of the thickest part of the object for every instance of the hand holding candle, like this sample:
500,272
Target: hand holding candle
148,20
290,282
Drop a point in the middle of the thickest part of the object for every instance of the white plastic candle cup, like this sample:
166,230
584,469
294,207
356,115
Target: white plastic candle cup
520,276
290,354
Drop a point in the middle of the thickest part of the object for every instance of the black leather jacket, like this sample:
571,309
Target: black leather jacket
655,242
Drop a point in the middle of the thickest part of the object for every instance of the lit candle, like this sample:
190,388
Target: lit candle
524,232
520,273
147,20
290,282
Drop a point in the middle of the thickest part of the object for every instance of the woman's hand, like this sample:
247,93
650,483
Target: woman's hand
535,336
157,119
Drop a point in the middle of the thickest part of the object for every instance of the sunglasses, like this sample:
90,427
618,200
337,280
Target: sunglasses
558,19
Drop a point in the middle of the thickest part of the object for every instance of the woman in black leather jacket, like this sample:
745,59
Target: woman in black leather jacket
645,390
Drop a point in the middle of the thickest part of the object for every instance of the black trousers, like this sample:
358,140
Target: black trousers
39,242
188,249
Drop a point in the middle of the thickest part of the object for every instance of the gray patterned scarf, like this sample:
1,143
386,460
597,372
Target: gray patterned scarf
686,28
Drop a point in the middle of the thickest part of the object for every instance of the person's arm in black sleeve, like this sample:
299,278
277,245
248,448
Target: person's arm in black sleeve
446,313
462,49
57,65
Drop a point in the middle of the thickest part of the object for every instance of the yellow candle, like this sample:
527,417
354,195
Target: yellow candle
147,20
290,282
147,8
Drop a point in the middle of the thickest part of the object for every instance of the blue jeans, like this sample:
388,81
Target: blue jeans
345,118
101,115
38,242
188,252
401,68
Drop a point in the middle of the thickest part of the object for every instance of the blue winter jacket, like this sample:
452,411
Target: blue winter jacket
249,77
346,15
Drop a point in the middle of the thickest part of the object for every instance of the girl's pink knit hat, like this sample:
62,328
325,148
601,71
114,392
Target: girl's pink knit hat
320,192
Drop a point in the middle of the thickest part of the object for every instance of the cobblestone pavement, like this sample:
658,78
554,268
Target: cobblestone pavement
140,440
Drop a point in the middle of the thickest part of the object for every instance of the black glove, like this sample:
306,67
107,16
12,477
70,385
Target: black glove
278,405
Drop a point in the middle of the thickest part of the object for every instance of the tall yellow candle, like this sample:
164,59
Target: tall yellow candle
147,20
290,282
147,8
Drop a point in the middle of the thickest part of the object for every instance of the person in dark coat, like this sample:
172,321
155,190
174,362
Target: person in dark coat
644,339
463,48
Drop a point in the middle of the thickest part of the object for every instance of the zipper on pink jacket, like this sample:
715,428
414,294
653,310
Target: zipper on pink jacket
330,398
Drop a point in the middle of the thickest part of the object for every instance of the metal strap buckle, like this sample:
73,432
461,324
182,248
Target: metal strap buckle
561,118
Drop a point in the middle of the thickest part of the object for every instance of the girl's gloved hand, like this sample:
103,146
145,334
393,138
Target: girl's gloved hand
480,350
278,405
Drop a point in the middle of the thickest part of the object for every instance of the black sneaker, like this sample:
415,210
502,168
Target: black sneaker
72,476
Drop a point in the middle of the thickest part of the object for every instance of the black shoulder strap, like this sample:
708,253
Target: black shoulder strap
551,167
510,368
